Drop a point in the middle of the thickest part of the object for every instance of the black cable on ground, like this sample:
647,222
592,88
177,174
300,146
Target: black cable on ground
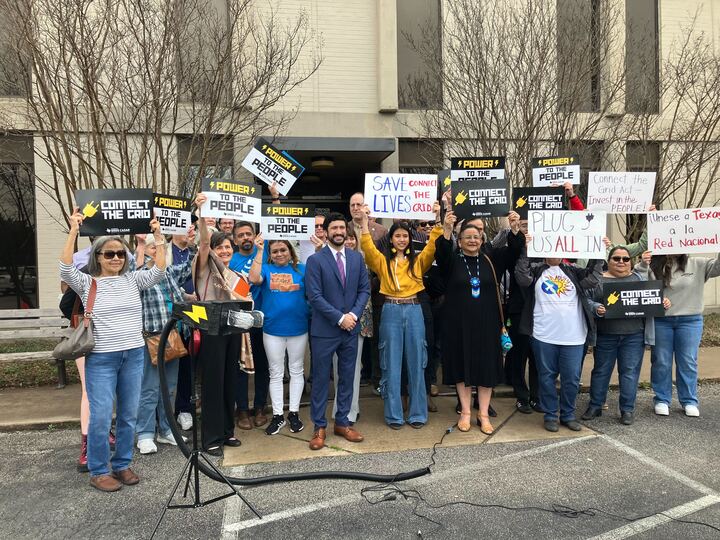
261,480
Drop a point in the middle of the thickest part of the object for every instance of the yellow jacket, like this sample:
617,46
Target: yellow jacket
401,284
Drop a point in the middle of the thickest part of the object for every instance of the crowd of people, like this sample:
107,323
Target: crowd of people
368,304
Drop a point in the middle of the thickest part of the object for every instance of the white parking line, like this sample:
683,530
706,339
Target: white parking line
642,525
233,509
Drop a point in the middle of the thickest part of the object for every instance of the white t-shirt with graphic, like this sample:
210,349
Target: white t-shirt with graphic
558,316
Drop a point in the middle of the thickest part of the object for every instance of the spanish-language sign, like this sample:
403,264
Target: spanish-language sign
231,199
272,165
115,211
566,234
287,221
526,199
684,231
480,198
173,213
549,171
487,168
620,192
633,299
409,196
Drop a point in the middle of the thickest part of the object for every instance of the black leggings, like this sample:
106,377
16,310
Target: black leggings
218,356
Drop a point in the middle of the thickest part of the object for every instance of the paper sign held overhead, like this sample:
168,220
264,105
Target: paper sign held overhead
566,234
620,192
555,170
408,196
684,231
270,165
231,200
173,213
287,221
633,299
115,211
526,199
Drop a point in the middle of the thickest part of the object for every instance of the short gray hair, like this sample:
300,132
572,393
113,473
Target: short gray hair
94,268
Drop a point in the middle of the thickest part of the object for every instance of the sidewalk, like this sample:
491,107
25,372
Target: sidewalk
24,408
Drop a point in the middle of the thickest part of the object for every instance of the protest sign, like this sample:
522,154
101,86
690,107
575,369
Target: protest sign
231,200
173,213
287,221
684,231
409,196
488,168
620,192
566,234
548,171
480,198
633,299
115,211
272,165
525,199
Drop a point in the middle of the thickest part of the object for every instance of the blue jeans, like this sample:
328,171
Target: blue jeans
150,401
628,350
108,376
680,334
402,339
565,361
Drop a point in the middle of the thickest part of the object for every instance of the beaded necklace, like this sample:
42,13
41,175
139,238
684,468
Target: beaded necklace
474,280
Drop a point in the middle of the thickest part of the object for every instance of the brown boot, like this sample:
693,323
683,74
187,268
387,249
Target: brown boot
105,482
348,433
242,420
318,440
260,418
127,477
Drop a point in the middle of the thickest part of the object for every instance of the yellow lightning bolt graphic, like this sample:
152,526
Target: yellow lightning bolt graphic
460,197
497,161
212,185
264,146
252,190
89,210
306,211
156,200
613,298
197,313
572,159
520,202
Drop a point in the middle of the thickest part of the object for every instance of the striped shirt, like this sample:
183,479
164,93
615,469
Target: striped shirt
117,315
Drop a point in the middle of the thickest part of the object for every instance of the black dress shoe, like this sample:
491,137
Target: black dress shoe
232,441
591,413
215,451
551,425
491,411
523,407
627,418
572,425
535,406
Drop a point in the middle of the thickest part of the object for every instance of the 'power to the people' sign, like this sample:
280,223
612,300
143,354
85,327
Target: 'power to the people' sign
232,200
273,166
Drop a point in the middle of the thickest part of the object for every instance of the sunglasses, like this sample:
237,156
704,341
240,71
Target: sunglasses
109,255
427,223
620,259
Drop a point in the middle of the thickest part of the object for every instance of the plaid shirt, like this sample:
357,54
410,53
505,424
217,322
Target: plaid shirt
157,300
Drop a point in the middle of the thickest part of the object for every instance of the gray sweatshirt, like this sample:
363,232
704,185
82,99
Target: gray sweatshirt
686,289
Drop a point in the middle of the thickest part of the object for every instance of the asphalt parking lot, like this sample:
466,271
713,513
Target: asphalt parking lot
617,482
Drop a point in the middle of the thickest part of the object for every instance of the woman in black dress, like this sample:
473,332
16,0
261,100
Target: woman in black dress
472,355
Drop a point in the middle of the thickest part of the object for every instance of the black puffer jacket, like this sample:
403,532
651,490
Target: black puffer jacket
584,279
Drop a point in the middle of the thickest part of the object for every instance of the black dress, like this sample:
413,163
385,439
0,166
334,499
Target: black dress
471,351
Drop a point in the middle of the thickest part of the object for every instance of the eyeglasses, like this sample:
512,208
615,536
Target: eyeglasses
110,255
319,226
427,223
620,259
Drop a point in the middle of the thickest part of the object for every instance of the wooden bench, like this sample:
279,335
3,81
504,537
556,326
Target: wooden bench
18,324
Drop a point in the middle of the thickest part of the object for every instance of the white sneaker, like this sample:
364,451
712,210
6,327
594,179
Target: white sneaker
146,446
185,420
662,409
169,439
692,410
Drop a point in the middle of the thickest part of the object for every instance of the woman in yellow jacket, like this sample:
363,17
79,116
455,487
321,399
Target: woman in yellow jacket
402,327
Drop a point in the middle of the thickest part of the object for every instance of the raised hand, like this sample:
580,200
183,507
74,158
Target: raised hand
646,257
260,242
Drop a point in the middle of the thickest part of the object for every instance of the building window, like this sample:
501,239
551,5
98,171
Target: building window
578,49
590,154
14,79
218,162
640,156
642,87
419,157
419,54
18,258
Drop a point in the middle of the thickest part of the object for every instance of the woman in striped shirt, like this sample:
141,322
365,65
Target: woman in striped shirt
114,368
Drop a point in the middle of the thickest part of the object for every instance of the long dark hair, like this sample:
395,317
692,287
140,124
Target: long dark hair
293,256
389,251
662,266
